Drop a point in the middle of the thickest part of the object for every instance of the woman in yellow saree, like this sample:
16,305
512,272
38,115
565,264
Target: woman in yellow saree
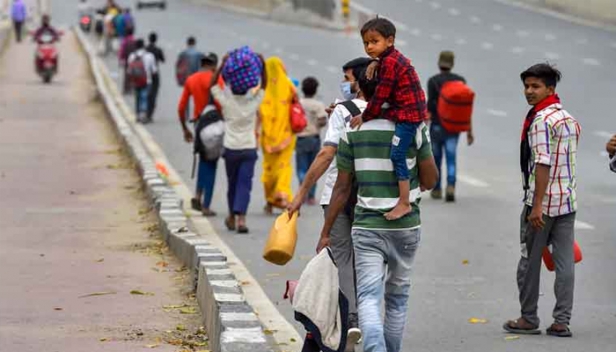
277,138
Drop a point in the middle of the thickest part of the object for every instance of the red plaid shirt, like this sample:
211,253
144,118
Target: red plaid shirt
400,87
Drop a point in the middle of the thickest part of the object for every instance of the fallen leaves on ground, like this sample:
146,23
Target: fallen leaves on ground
477,321
180,327
513,337
465,262
269,332
143,293
103,339
100,260
58,308
188,310
154,345
98,294
162,263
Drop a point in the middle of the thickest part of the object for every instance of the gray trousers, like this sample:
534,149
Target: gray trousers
341,245
558,231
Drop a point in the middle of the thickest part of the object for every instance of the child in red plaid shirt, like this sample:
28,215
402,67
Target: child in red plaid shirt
398,98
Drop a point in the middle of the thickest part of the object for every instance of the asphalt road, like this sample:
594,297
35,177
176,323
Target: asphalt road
493,43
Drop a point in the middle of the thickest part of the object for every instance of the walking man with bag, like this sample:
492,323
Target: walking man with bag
159,54
198,87
141,67
442,140
18,15
340,240
548,162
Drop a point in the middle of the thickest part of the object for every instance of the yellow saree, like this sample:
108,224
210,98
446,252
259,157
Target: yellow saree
277,139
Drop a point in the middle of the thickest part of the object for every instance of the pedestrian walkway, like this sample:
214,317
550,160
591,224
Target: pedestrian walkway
76,234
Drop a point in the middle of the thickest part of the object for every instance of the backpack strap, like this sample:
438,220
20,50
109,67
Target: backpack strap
351,106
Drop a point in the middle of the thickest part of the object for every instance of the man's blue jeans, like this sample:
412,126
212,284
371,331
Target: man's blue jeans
442,140
141,100
383,257
206,178
306,150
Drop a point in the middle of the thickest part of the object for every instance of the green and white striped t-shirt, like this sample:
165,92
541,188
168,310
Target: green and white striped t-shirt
366,153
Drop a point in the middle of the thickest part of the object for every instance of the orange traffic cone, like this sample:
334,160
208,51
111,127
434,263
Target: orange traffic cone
549,262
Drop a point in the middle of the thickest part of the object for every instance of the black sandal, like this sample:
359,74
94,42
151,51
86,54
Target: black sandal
242,229
558,332
195,204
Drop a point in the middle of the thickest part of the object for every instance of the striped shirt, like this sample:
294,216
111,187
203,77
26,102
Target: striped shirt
553,137
365,152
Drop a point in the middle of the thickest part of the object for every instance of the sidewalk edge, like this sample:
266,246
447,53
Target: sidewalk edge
5,35
228,295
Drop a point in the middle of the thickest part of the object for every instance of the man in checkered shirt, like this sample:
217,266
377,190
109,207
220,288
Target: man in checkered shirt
548,161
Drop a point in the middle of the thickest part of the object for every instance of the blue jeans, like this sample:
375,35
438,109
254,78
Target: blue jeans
383,256
403,140
306,151
240,165
205,181
441,139
141,99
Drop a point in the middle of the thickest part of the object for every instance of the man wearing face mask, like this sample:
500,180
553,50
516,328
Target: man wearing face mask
324,164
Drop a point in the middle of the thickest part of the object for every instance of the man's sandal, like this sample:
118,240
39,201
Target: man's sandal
515,327
559,330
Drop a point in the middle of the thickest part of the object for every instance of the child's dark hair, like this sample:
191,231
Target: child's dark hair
382,25
549,74
367,86
309,86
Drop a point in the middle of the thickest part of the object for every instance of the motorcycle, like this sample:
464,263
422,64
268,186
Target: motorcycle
46,58
85,22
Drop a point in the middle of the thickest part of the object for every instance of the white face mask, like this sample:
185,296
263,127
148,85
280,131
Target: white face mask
346,90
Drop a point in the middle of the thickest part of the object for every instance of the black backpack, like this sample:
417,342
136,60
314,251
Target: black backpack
349,208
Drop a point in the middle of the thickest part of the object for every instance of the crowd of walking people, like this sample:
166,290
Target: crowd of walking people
382,146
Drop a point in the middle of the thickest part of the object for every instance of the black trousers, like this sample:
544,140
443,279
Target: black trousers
18,30
153,95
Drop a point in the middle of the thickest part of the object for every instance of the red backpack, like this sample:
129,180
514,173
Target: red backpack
455,106
136,73
297,116
182,70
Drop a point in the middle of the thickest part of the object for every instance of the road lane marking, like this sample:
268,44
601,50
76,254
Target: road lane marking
435,5
472,181
416,32
603,134
499,113
332,69
312,62
401,43
551,56
279,51
581,225
550,37
454,12
591,62
582,41
265,45
437,37
475,19
522,33
461,41
497,27
487,46
518,50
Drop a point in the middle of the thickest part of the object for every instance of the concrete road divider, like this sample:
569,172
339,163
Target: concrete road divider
229,318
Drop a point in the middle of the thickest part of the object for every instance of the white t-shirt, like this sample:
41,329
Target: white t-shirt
338,120
149,61
240,114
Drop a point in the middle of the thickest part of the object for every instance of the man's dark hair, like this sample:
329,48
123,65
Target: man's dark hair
381,25
139,44
153,37
191,41
309,86
549,74
210,59
357,65
367,86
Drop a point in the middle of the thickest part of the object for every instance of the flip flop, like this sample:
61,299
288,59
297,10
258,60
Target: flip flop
559,333
512,327
242,229
195,204
230,224
208,212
